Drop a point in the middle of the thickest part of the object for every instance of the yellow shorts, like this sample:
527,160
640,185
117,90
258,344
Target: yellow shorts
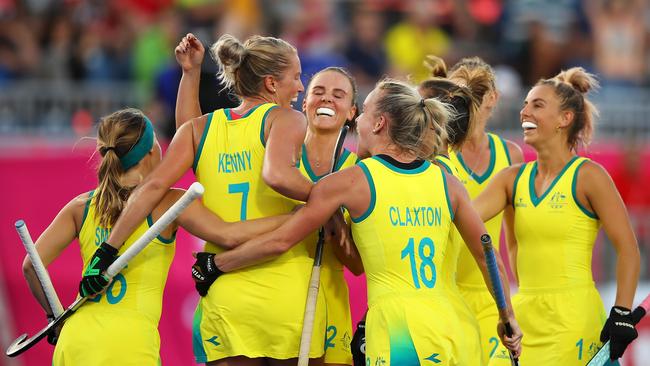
339,321
560,327
405,330
257,312
482,305
99,338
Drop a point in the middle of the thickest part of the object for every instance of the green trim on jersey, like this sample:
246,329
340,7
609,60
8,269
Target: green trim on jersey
160,237
514,187
574,187
264,124
373,194
488,171
199,149
531,182
505,149
444,180
425,165
83,218
248,113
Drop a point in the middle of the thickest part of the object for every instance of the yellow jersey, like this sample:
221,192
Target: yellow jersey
255,311
403,236
468,272
229,163
554,228
134,298
346,160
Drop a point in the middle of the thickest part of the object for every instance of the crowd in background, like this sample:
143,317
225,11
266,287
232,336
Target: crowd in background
133,40
105,55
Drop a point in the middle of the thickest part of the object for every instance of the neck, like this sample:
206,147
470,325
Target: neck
476,142
550,160
250,102
320,146
394,152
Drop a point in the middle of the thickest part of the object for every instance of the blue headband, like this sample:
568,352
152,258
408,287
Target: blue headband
141,148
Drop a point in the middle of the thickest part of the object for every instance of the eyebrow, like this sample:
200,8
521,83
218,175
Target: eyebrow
535,100
336,90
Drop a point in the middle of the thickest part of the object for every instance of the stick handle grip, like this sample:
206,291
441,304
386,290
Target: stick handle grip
310,312
39,268
195,191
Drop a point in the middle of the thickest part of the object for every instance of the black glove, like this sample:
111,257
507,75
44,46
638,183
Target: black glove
619,330
94,280
53,334
204,272
358,345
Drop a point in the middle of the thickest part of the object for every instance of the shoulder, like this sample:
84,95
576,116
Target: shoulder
285,114
515,151
76,208
593,172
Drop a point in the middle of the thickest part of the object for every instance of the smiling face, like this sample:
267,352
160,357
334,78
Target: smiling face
329,101
541,116
289,85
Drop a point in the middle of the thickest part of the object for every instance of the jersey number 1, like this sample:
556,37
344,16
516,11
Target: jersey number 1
242,188
426,261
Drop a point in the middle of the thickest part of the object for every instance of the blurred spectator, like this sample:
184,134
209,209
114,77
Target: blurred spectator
409,41
620,38
364,49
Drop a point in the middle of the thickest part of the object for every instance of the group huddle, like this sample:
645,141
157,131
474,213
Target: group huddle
407,209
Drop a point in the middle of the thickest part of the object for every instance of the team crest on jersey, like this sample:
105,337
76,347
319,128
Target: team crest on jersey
558,200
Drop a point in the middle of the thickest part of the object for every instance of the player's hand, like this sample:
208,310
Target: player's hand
619,330
358,345
94,281
53,334
513,342
189,53
204,272
338,233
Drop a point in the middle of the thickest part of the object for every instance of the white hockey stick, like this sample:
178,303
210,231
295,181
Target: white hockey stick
39,268
22,343
602,356
314,282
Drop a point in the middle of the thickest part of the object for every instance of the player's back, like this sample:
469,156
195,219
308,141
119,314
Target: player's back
403,236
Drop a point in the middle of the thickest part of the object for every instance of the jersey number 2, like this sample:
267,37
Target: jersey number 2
426,261
242,188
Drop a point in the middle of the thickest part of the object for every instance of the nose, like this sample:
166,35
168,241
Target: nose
524,111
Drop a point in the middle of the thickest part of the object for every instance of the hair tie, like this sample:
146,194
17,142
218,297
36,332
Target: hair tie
422,102
104,150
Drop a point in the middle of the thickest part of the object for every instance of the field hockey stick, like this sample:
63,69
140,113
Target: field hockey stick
22,343
499,295
314,282
39,268
602,356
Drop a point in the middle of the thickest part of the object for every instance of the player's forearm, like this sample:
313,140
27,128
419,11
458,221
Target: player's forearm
35,285
255,251
243,231
289,182
140,204
627,275
187,99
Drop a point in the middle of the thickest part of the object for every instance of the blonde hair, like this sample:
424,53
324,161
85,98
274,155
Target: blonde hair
478,76
244,66
117,133
460,124
417,125
571,87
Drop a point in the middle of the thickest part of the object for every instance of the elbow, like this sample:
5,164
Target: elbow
28,268
273,178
